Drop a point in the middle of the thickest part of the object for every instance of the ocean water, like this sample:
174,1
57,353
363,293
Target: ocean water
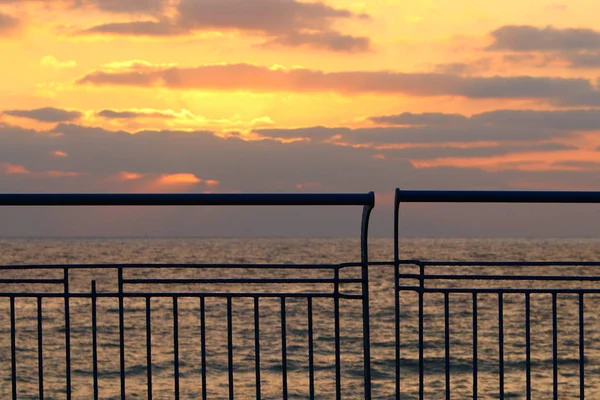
334,250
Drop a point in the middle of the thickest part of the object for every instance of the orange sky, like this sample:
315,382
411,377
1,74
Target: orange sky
446,91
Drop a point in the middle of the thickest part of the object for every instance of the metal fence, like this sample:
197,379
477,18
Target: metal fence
463,329
479,298
143,287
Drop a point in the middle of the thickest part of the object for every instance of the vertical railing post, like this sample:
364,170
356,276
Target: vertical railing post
121,331
397,287
40,333
67,332
13,348
94,340
581,348
336,328
364,239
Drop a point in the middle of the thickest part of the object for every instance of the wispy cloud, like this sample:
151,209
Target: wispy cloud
578,48
46,114
248,77
289,23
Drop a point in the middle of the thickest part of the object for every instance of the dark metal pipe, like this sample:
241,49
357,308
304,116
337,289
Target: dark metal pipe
493,196
188,199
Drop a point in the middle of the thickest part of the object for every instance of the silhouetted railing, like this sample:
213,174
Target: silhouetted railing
134,292
458,291
212,330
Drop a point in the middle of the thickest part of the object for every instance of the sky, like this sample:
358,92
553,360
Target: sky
228,96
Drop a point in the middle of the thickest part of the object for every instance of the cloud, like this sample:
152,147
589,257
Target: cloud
523,38
13,169
137,119
137,28
58,153
247,77
427,134
498,126
262,165
584,120
129,176
131,114
416,153
179,179
578,48
288,23
8,24
584,59
329,40
464,68
581,165
53,62
46,114
131,6
104,161
420,119
110,6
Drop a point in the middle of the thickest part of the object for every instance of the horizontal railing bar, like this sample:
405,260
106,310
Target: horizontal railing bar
496,290
501,277
501,263
179,266
175,294
36,281
476,196
238,280
189,199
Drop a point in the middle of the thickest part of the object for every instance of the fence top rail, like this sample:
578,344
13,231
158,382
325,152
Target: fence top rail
476,196
185,266
189,199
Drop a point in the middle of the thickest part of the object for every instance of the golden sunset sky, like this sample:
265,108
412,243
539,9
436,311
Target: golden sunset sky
298,96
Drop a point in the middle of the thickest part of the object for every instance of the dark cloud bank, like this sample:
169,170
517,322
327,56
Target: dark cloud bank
99,156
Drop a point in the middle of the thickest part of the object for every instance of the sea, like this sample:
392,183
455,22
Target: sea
25,251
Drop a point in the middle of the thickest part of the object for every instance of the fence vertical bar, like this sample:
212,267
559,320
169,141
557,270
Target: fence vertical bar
94,340
581,348
67,332
475,350
257,346
528,345
40,329
13,348
284,376
311,351
501,344
397,288
336,311
149,346
121,331
554,348
364,240
447,341
203,345
230,347
176,347
421,333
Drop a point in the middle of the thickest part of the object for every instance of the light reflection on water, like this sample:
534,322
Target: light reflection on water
19,251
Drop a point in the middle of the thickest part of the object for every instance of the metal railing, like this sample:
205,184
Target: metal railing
463,329
136,294
457,292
